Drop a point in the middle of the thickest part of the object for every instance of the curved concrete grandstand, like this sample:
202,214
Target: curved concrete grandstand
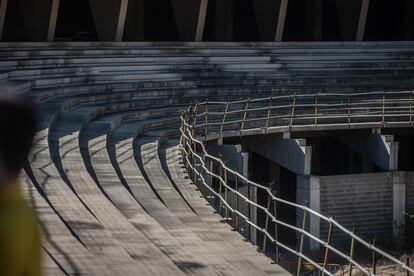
106,175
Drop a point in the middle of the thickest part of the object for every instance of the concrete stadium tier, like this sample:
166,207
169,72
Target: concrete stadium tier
105,173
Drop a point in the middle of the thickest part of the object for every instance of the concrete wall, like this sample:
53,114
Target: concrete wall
361,200
410,192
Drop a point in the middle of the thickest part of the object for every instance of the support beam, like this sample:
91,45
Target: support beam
3,8
281,20
52,20
201,20
362,20
121,20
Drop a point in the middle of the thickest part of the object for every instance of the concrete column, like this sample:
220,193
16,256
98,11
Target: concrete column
399,191
201,20
281,20
53,20
121,20
392,149
253,197
307,153
314,204
3,8
362,20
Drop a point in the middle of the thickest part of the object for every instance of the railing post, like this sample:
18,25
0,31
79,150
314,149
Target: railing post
302,240
328,241
237,204
351,253
349,111
194,144
206,121
244,116
269,113
266,222
374,258
224,117
316,111
293,112
220,189
225,194
276,232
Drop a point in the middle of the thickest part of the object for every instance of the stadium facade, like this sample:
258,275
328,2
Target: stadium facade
292,119
206,20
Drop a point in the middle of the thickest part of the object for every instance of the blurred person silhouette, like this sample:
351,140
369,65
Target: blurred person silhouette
20,252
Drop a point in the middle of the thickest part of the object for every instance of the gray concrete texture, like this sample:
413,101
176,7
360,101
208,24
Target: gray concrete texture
105,176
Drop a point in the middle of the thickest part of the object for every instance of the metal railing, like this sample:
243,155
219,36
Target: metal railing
215,119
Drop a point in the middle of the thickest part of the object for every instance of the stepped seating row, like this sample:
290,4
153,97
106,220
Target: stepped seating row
105,175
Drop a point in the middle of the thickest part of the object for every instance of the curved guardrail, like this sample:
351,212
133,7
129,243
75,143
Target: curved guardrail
215,119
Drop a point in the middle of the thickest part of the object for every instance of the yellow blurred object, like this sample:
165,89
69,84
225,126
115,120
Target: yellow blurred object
20,252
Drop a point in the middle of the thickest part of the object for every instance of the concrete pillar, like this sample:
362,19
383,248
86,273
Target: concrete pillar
281,20
53,20
201,20
307,153
392,149
3,9
399,196
362,20
314,204
121,20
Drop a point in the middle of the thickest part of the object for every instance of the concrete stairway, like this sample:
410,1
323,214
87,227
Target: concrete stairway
105,174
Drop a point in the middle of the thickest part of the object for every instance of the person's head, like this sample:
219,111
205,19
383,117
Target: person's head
17,129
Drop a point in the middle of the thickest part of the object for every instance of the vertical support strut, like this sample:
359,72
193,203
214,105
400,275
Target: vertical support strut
269,113
53,20
206,121
3,9
225,194
276,232
374,258
237,204
121,20
201,20
362,20
195,144
351,253
328,241
244,116
269,200
281,20
293,112
302,240
224,118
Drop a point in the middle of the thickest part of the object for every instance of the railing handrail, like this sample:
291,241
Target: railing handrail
189,142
